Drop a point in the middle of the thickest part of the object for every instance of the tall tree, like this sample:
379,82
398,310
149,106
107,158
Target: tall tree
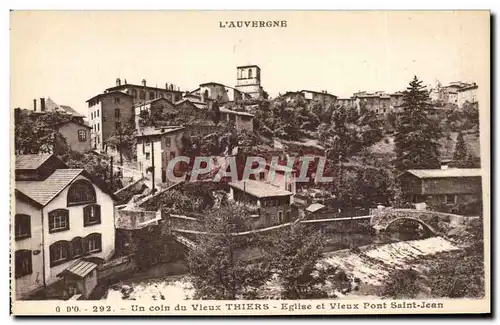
417,134
460,155
217,267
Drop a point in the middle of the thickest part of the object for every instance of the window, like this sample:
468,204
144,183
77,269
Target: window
58,220
22,225
280,216
151,95
93,244
450,199
97,113
118,125
143,147
147,155
134,93
91,215
91,115
76,247
23,263
117,112
117,100
82,135
81,192
59,252
142,95
261,176
249,73
97,127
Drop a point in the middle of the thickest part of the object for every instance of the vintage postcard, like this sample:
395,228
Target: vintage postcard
250,162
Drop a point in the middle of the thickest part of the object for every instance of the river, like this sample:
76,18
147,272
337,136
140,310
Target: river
375,257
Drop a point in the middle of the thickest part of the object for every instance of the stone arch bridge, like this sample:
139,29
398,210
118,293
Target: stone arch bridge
381,220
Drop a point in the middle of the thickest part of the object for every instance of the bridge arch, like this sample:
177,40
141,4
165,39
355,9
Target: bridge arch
424,224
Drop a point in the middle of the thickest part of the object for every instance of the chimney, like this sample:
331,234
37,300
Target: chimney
42,104
144,82
171,86
166,85
34,105
118,82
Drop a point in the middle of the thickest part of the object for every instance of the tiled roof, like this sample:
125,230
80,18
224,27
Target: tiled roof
259,189
31,161
70,110
228,111
44,191
149,131
449,172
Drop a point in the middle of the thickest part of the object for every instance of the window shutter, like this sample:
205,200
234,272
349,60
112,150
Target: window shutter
98,213
30,265
28,224
85,247
99,242
51,248
86,215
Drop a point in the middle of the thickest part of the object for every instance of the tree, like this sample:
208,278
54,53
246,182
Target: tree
124,141
217,268
38,133
294,255
460,154
417,135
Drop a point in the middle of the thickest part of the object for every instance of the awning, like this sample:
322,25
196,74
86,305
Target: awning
80,269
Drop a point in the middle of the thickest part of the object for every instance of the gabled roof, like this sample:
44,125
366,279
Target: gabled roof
108,94
196,104
151,101
44,191
444,173
31,161
50,105
259,189
152,131
124,86
73,122
317,92
228,111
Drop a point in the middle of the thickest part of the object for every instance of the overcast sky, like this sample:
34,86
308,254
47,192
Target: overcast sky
72,56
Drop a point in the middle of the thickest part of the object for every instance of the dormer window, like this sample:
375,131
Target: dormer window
81,192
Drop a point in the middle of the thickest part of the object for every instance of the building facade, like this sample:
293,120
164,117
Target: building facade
152,107
61,216
273,204
107,113
248,80
448,186
143,92
77,136
160,145
322,97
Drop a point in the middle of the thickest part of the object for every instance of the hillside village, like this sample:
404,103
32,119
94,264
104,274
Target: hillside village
111,209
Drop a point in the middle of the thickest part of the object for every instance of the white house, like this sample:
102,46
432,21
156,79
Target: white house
62,216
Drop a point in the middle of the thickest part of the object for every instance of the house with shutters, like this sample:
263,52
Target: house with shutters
63,218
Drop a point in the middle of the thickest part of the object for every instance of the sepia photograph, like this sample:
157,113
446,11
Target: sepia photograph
250,162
